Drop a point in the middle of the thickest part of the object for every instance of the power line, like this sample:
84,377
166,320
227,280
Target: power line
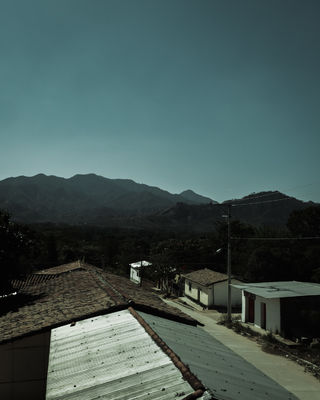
261,202
295,238
299,187
308,194
277,192
270,201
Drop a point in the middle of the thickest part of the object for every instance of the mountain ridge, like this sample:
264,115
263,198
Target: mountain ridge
85,192
93,199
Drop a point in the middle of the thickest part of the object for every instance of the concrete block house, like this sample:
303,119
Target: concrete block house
136,270
210,289
281,307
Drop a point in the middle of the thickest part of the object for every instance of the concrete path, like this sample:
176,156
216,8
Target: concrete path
284,371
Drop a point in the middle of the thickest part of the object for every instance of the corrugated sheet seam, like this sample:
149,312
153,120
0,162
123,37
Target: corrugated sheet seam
194,382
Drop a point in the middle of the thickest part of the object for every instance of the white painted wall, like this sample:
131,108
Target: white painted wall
135,275
214,295
23,368
244,306
205,296
273,319
193,292
221,294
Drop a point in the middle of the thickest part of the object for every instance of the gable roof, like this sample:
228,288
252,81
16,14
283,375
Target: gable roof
222,372
72,292
206,277
113,356
271,290
129,354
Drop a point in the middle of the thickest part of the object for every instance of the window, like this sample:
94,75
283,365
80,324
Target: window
190,286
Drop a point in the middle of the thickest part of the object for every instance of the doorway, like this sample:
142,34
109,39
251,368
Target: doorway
250,309
263,316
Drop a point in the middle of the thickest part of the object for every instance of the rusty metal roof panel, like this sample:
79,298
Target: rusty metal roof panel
110,356
223,372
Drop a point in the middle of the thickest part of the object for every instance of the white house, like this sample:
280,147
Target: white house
279,307
136,270
210,289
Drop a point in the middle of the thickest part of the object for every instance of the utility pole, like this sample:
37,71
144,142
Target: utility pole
228,219
229,263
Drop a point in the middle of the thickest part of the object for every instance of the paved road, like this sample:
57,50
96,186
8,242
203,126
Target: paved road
284,371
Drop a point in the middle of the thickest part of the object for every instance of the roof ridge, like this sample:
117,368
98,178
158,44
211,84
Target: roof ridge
206,276
105,282
193,381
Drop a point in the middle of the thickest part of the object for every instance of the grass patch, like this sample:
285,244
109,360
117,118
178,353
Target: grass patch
236,325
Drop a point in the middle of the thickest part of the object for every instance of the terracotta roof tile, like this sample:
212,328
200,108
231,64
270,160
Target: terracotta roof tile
66,268
206,277
78,291
144,297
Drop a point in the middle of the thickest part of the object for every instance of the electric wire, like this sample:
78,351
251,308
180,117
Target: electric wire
284,190
267,201
272,239
273,194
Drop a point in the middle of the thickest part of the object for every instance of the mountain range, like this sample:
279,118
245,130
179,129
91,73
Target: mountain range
93,199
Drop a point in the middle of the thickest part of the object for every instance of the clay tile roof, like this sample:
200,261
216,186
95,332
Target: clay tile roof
77,291
144,298
206,277
66,268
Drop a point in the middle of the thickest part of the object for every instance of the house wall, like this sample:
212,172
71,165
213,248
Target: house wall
221,294
272,308
206,296
215,295
24,367
135,275
198,293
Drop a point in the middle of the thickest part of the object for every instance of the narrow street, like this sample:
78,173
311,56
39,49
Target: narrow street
284,371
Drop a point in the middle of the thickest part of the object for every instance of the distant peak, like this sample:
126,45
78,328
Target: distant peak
196,198
188,191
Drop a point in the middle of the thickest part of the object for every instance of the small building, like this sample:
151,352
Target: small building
210,289
281,307
136,269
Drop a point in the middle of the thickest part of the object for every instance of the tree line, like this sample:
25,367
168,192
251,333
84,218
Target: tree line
258,254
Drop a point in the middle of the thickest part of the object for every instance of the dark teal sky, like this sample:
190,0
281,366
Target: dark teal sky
221,96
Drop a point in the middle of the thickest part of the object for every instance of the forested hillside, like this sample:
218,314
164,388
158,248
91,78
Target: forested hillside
123,203
258,253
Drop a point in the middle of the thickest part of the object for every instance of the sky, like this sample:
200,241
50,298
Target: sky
221,97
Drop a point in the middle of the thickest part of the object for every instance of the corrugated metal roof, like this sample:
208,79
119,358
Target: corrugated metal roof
110,357
227,375
139,264
270,290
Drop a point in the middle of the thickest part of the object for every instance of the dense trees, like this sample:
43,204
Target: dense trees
305,223
18,246
258,254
